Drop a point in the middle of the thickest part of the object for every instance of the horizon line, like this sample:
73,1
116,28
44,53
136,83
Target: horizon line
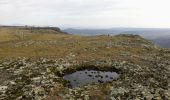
62,27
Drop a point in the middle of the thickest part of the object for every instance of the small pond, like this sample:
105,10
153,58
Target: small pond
84,77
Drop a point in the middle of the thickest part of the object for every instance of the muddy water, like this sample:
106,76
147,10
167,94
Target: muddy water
81,78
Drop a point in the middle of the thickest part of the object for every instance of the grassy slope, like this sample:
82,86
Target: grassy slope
50,44
32,43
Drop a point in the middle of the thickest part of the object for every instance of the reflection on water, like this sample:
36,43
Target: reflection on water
81,78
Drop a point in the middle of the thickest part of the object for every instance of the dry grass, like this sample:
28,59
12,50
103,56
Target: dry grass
55,93
99,93
15,43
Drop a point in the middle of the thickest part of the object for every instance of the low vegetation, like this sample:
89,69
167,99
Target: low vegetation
32,43
33,61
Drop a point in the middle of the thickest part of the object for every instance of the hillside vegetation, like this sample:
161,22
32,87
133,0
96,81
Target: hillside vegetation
37,43
34,60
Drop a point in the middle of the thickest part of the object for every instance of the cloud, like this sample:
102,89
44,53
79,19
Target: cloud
86,13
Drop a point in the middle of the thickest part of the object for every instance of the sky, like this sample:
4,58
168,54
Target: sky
86,13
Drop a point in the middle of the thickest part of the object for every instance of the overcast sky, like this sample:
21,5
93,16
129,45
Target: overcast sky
86,13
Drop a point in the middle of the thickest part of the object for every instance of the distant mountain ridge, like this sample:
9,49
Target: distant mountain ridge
33,28
160,36
114,31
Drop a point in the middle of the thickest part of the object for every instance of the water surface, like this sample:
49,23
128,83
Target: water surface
81,78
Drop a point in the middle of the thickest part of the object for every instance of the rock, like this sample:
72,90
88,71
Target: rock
3,88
